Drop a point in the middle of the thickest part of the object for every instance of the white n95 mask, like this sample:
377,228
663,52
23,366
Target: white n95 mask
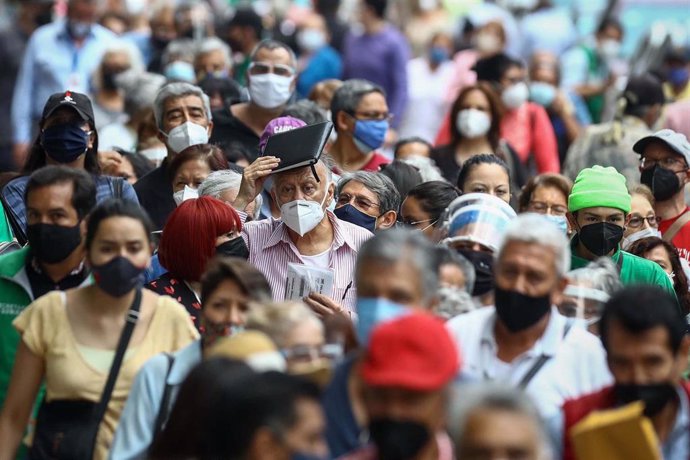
187,193
473,123
302,216
270,90
186,135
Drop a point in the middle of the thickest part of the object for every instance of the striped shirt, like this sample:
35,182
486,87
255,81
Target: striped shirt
271,250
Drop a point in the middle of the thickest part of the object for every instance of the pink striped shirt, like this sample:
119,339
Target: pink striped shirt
271,249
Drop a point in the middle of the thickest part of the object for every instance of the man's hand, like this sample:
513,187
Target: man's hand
253,180
109,161
322,305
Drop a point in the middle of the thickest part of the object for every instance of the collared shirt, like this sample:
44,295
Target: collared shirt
13,194
42,284
576,363
271,250
54,63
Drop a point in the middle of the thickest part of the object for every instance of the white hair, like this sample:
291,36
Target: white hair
211,44
177,90
427,168
534,228
278,319
219,181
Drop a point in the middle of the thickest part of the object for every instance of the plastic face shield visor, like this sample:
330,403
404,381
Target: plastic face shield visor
583,303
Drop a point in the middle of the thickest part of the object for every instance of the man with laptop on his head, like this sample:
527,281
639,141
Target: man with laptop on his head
309,254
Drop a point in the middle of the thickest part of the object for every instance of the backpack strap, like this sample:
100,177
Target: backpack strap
676,226
165,399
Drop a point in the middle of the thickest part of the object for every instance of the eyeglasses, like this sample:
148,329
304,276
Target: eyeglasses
667,163
411,223
637,221
262,68
543,208
361,203
372,116
330,351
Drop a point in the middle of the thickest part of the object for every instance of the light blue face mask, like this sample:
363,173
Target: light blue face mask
369,135
542,93
559,221
371,312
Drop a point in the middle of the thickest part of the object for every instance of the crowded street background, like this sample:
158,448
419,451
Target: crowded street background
344,229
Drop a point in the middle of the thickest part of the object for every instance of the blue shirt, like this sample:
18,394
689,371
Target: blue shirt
53,63
342,432
323,65
13,196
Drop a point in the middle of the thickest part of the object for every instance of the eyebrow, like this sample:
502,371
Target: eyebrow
49,210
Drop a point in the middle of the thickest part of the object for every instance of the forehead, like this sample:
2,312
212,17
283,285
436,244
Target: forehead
620,339
640,203
548,193
499,428
300,175
601,211
273,56
514,71
193,166
116,57
357,188
372,101
177,103
660,149
475,97
120,228
488,173
400,275
51,196
534,254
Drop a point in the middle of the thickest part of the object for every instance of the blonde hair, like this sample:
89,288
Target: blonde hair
278,319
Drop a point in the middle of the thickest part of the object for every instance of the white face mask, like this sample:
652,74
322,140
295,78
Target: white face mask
311,40
473,123
155,154
609,48
302,216
270,90
187,193
186,135
647,232
516,95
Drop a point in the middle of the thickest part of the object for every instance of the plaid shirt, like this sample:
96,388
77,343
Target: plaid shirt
13,199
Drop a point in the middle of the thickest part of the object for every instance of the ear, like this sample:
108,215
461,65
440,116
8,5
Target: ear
386,220
82,228
209,129
557,294
572,221
264,446
343,121
682,354
330,193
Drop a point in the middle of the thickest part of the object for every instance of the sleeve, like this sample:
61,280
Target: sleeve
574,68
554,429
398,75
128,192
180,325
134,432
544,145
36,321
22,101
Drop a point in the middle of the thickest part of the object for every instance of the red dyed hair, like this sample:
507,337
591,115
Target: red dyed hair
189,236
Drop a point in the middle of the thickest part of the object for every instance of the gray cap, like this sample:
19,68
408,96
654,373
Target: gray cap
675,141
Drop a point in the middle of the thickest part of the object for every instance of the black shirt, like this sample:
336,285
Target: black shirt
41,284
155,194
228,130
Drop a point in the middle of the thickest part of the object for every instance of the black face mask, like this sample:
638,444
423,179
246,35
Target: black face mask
118,276
51,243
600,238
109,76
655,396
519,311
233,248
663,182
65,143
398,439
483,263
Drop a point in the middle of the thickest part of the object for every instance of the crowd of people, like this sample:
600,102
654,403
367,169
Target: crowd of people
326,229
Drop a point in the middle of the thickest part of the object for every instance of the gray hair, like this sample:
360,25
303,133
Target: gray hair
426,167
535,229
306,110
600,274
400,245
448,256
211,44
219,181
181,49
136,61
467,399
270,45
175,91
380,185
277,320
349,95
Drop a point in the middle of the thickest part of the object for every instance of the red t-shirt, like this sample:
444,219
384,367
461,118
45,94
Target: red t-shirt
682,239
373,165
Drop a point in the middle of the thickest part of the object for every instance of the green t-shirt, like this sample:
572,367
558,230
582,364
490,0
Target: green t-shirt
5,230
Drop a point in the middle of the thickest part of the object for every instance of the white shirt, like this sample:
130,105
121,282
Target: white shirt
576,364
317,260
427,91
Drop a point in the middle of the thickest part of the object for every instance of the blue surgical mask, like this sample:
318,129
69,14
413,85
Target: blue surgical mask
370,134
349,213
372,311
678,76
438,55
65,143
542,93
560,221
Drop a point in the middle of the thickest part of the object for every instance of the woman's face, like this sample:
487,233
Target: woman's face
224,310
304,343
660,256
488,178
548,200
477,100
641,212
414,216
191,173
120,236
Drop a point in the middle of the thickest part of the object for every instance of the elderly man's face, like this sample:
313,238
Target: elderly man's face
496,434
393,403
230,194
400,282
211,63
301,184
180,110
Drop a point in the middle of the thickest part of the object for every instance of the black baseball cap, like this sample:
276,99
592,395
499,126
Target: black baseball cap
77,101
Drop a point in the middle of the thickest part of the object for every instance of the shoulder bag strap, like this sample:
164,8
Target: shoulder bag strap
131,321
165,399
676,226
536,367
619,262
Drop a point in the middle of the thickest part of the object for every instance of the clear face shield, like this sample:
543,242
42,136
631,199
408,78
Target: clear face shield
583,303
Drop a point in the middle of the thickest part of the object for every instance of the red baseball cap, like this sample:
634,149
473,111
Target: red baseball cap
414,352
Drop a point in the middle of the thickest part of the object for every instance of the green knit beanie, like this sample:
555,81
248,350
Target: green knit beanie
599,186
